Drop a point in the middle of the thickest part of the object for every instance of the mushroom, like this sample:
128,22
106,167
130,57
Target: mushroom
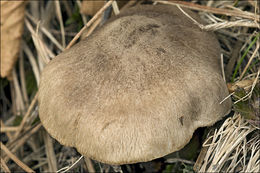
136,89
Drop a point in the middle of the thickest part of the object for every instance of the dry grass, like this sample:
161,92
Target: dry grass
229,149
234,146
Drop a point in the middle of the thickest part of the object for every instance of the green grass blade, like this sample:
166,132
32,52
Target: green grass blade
243,57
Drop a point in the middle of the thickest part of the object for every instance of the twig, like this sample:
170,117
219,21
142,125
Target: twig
89,23
15,159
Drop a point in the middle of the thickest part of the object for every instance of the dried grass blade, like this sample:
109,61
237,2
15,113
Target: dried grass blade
229,147
89,164
33,103
9,135
38,43
83,16
18,142
18,92
8,129
67,168
244,55
226,12
4,166
58,11
51,158
250,60
89,23
15,159
45,31
247,96
115,7
33,62
92,27
23,80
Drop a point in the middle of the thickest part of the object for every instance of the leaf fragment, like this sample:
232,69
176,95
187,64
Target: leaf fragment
12,20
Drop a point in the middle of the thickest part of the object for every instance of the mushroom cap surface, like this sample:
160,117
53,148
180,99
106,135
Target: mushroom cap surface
136,89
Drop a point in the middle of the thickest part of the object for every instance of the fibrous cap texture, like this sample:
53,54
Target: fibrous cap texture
136,89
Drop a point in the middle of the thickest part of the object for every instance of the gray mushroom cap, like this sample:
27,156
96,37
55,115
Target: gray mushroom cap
136,89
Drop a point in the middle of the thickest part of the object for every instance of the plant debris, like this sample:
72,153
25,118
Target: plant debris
234,144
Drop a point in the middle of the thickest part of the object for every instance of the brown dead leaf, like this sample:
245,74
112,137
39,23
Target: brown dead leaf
91,7
240,84
12,19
